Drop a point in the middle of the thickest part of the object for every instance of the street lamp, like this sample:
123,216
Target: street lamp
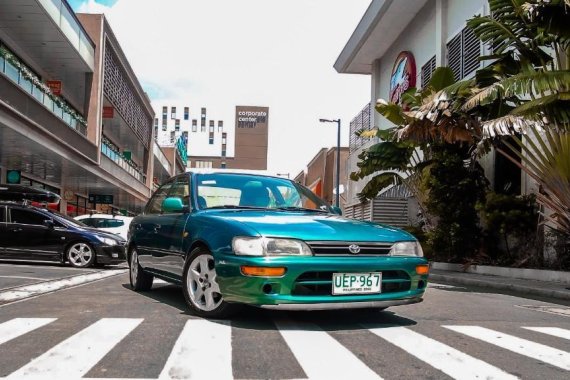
337,121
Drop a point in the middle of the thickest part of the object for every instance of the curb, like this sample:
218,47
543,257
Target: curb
524,290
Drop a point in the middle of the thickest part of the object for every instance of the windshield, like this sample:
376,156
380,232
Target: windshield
225,190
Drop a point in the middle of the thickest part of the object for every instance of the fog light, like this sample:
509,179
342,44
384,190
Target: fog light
422,269
262,271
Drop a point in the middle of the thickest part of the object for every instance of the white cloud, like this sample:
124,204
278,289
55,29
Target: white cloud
222,53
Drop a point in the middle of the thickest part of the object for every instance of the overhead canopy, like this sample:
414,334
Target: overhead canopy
380,26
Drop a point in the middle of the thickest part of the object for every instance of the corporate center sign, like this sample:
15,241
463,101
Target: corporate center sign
249,117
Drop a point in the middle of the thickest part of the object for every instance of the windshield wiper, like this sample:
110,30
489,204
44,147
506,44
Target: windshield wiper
293,208
236,207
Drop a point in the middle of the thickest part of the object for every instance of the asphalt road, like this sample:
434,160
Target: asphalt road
102,329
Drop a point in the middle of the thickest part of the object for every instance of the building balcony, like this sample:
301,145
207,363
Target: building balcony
109,150
17,72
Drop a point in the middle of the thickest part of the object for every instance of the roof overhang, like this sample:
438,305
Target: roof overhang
380,26
48,32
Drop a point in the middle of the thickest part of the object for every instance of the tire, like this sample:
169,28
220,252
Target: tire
201,291
139,279
80,255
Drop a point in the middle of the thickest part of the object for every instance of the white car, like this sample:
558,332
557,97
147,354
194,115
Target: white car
116,224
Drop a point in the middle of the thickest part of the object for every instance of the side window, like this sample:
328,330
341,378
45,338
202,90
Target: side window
27,217
113,223
155,204
181,189
87,222
2,214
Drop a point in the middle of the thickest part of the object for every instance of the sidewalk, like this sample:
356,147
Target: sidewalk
515,285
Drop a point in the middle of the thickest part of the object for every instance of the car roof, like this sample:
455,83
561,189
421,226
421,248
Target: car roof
101,216
262,173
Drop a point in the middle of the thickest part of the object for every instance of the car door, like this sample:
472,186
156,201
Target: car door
169,257
3,233
30,238
145,230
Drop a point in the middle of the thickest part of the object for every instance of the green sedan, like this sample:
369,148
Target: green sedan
236,238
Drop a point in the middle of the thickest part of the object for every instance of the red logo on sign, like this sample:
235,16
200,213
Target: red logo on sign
403,76
108,112
54,86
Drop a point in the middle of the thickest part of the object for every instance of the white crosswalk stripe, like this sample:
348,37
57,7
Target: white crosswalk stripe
440,356
203,351
20,326
75,356
320,355
554,331
546,354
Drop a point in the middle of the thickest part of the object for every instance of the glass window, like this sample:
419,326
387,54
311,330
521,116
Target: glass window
181,189
2,214
194,125
26,85
173,113
27,217
225,189
12,72
154,206
186,113
88,222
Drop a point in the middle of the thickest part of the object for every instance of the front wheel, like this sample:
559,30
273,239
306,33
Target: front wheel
140,280
80,255
200,286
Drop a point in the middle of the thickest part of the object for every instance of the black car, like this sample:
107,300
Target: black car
29,233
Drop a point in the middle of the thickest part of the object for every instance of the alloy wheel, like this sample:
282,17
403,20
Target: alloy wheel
80,255
201,283
134,267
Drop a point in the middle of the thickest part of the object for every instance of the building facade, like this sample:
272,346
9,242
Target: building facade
320,175
210,142
73,116
399,44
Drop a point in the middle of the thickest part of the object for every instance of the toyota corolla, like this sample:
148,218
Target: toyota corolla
237,238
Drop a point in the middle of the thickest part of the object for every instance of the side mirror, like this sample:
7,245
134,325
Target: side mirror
337,210
172,204
49,224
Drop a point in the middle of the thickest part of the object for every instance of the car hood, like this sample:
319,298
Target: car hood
104,234
311,226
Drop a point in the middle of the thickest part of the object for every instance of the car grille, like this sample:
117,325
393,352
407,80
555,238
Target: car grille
320,283
334,248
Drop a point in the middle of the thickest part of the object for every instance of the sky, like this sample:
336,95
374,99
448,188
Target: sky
222,53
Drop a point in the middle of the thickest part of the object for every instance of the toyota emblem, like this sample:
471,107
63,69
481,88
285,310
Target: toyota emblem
354,248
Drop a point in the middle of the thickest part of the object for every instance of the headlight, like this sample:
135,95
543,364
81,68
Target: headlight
258,246
107,241
407,248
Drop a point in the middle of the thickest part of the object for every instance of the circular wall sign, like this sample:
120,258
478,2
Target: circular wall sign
403,76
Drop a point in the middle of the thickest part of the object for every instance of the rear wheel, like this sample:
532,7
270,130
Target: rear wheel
200,286
140,280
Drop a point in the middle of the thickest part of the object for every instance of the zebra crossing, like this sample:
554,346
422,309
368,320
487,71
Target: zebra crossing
205,349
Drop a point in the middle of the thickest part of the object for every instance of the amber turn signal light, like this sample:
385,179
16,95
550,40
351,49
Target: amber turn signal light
422,269
262,271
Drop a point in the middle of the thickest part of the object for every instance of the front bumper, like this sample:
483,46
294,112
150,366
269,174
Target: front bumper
296,290
110,254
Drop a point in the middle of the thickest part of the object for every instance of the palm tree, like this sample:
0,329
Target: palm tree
525,91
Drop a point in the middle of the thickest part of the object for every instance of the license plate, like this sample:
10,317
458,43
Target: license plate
356,283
